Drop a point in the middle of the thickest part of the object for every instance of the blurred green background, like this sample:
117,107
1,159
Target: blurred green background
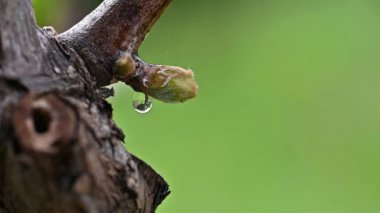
288,113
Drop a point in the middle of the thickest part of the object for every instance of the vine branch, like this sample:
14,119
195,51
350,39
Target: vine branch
60,150
108,40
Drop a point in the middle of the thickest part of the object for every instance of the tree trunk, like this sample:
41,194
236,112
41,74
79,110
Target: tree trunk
60,150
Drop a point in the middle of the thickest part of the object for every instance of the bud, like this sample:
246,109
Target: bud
170,84
125,65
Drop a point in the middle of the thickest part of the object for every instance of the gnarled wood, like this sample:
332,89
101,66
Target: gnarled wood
60,151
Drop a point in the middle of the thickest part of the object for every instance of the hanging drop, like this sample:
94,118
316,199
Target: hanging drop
141,102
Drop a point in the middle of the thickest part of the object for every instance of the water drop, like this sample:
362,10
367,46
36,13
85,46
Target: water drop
141,102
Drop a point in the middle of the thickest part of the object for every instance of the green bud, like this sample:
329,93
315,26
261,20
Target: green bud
125,66
171,84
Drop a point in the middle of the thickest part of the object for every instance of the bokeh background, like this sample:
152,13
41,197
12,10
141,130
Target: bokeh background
288,113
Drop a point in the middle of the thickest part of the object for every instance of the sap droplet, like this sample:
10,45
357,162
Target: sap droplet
141,102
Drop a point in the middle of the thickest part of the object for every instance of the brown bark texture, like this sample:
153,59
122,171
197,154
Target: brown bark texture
60,150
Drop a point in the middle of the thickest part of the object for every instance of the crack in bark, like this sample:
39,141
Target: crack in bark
1,51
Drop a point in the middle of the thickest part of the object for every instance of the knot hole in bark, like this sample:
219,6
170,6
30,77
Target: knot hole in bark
41,120
44,123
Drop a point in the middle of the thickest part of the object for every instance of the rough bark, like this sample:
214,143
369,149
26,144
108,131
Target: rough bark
60,150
